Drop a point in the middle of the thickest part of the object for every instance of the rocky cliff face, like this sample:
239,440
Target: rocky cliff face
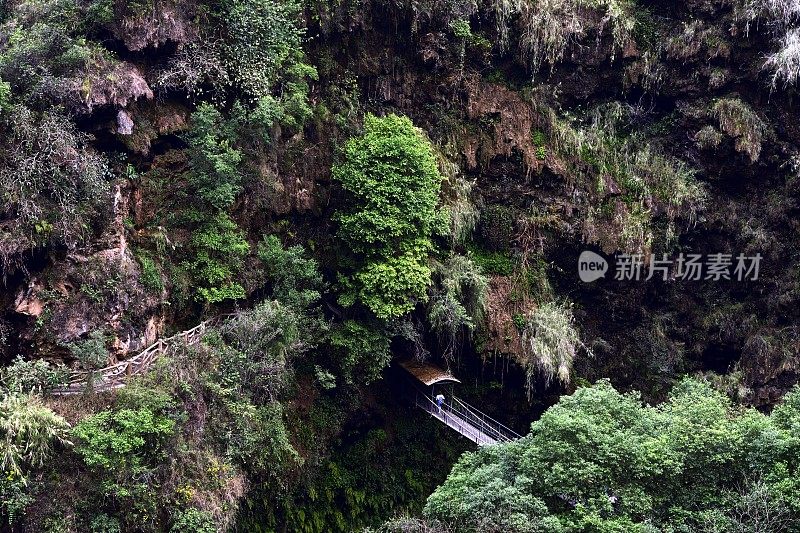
636,127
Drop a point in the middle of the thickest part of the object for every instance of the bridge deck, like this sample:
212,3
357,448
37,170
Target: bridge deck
462,426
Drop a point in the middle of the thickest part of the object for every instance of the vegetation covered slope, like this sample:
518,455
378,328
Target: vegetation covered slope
358,182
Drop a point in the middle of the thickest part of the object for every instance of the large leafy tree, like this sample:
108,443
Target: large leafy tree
393,183
604,461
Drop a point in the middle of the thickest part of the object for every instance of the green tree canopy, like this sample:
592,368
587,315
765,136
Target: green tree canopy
604,461
393,183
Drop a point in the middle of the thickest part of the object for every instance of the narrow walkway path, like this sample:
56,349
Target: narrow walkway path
116,376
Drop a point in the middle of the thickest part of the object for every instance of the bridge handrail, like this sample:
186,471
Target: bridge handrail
484,417
432,407
469,421
488,427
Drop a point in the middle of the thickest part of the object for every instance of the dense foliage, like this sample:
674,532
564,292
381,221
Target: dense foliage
393,184
604,461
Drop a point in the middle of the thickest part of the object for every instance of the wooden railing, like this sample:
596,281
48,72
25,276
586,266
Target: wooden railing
117,375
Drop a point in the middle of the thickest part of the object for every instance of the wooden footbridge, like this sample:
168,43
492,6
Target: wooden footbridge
117,375
452,411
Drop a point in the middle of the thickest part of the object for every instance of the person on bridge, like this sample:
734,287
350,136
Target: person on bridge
440,401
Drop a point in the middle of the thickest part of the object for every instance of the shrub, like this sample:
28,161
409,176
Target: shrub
103,523
214,164
458,301
496,263
151,275
46,56
785,63
257,440
464,217
696,37
91,352
262,342
549,26
29,432
193,521
296,280
780,17
193,68
258,59
550,342
393,184
389,287
738,120
124,450
122,441
218,249
32,376
51,182
708,138
14,500
263,40
780,13
5,96
362,351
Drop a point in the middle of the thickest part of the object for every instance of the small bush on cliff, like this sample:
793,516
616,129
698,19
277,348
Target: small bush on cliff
296,280
91,352
549,26
29,433
122,441
362,351
550,342
29,436
5,96
393,183
262,39
263,340
218,250
122,449
785,63
252,53
780,18
215,175
31,376
738,120
217,247
51,182
47,58
458,301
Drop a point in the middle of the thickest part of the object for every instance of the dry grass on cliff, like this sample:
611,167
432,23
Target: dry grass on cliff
738,120
785,63
548,27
